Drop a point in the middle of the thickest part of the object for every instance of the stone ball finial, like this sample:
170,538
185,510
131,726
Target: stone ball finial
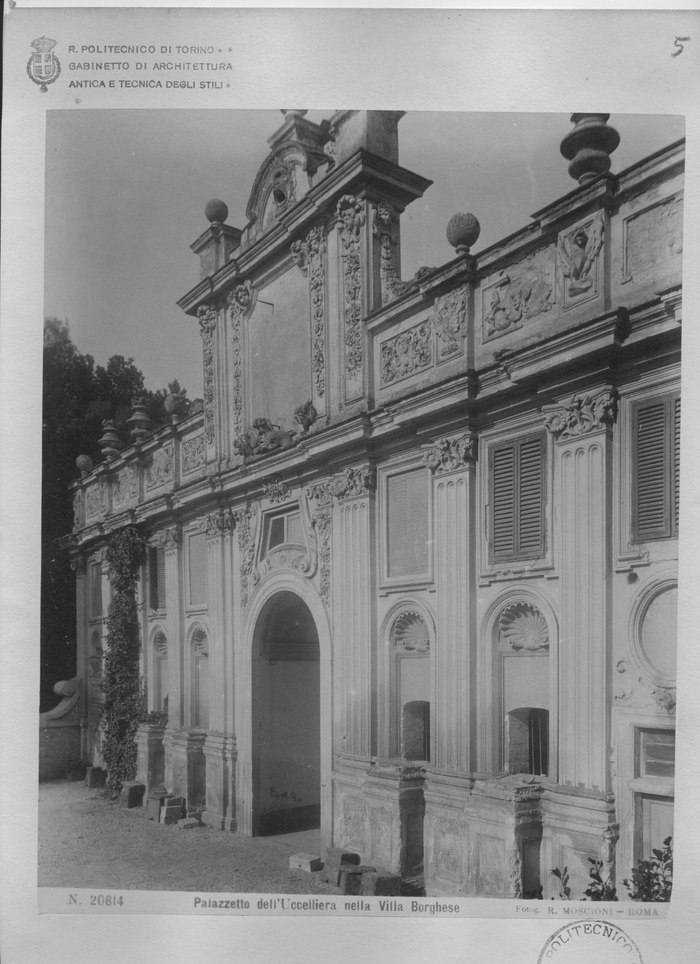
463,231
216,211
84,465
589,146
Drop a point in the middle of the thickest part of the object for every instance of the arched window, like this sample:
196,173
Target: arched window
160,671
523,688
410,639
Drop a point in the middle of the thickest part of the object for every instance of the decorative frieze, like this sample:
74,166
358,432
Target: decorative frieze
583,415
193,454
206,316
523,291
356,482
349,219
275,489
578,253
452,454
407,353
523,626
449,322
77,509
239,301
159,467
125,488
310,255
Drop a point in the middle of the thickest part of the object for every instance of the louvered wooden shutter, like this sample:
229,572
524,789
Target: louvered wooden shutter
656,468
516,472
531,501
503,501
161,578
676,460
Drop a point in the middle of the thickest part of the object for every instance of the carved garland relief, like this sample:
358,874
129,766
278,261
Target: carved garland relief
578,253
350,217
311,255
451,454
652,239
407,353
159,470
125,487
239,302
96,501
449,317
207,325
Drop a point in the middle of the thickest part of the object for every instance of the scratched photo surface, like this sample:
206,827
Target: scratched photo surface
360,514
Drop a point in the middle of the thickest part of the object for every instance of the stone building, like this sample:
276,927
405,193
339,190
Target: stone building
412,564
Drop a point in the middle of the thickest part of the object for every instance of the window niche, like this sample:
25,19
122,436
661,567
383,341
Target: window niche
410,640
522,689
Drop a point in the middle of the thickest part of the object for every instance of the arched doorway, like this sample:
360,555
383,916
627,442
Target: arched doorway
286,720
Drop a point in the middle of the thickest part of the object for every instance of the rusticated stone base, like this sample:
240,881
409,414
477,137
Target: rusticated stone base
445,831
576,824
221,755
379,815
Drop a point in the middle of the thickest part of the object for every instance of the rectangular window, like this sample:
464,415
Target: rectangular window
156,578
656,433
517,494
408,502
283,530
656,753
197,569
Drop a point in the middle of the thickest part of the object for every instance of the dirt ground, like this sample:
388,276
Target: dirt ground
87,842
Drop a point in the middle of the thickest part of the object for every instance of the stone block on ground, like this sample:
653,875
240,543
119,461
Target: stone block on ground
351,877
170,801
307,862
170,815
189,823
335,856
376,883
195,815
94,777
154,802
131,794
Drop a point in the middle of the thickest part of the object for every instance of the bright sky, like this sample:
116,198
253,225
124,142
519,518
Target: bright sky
126,190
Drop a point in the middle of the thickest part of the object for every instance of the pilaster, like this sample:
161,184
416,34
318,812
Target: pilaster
582,430
171,540
452,463
354,608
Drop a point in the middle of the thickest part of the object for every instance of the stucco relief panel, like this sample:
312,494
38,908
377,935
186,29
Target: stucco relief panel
125,488
96,501
653,240
159,467
193,454
521,292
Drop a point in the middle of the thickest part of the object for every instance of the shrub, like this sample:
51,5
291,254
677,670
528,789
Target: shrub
599,887
652,880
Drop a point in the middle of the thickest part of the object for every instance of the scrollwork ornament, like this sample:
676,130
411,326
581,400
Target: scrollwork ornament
246,544
206,316
171,538
350,217
584,415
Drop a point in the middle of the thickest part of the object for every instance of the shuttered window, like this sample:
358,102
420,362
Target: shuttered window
408,503
517,483
655,468
156,578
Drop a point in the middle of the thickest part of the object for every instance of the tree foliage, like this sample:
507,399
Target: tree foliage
78,396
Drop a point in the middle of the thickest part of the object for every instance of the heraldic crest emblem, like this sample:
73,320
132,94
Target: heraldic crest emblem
43,66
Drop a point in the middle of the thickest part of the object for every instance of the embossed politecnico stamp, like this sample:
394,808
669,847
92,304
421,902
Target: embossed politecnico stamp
590,940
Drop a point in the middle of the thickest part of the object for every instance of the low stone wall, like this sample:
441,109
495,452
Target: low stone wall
59,732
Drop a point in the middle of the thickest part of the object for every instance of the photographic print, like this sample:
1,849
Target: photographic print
391,587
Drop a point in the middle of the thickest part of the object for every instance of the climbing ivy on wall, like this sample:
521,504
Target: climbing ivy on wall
123,705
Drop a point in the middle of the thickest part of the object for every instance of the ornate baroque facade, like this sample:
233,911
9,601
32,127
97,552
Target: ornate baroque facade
413,566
